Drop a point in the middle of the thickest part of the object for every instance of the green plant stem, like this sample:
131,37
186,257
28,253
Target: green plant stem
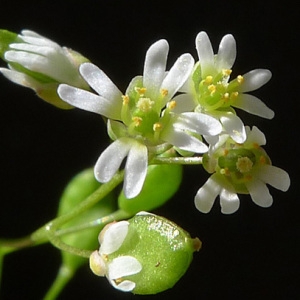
196,160
48,231
63,277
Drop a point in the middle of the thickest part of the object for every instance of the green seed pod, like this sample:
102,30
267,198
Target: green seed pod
147,254
161,183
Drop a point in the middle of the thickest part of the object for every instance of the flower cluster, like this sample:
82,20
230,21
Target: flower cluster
190,108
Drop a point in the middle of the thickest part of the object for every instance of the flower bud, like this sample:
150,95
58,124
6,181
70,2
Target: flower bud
145,255
40,64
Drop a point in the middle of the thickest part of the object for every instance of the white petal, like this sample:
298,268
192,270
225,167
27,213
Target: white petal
135,170
184,103
256,136
207,194
183,140
41,50
123,266
259,192
274,176
101,83
234,127
227,53
254,79
198,123
124,286
178,75
111,159
114,237
229,202
253,105
205,52
89,101
19,78
33,38
155,66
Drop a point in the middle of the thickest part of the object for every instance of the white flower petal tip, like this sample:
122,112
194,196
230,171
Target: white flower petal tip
255,79
113,237
206,195
274,176
229,201
97,264
135,170
226,53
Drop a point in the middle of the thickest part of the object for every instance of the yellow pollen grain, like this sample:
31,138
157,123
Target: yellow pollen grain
157,126
234,95
208,79
244,164
172,104
226,72
164,92
125,99
137,121
141,90
262,160
212,88
240,79
225,97
255,146
118,280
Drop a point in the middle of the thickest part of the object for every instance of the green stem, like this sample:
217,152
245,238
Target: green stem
197,160
64,275
49,229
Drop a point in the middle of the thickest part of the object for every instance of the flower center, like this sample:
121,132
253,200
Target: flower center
215,92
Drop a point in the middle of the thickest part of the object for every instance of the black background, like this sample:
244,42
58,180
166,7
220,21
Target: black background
252,254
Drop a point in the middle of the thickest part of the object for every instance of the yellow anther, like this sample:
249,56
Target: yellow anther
244,164
137,121
225,171
208,79
125,99
164,92
226,72
118,280
262,160
234,95
157,126
255,145
171,104
140,90
225,97
212,88
240,79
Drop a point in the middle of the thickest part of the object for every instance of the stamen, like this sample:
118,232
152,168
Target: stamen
137,121
240,79
140,90
171,104
226,72
125,99
157,126
164,92
208,79
212,88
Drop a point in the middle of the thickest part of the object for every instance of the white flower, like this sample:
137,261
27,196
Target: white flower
116,270
237,169
143,118
210,91
41,64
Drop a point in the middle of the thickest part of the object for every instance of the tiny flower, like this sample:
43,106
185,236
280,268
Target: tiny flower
239,169
141,121
144,255
111,238
41,64
210,91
